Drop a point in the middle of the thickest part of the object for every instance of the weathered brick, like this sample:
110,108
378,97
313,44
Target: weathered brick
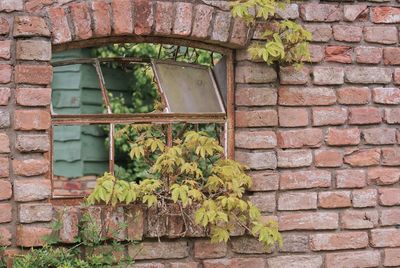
33,6
289,11
4,167
264,181
309,221
185,264
357,258
4,143
122,16
292,117
334,199
368,75
383,176
364,198
305,179
28,74
298,96
6,212
239,32
31,120
60,29
32,236
359,219
5,236
4,119
35,212
5,94
300,138
247,245
320,32
390,216
346,136
256,118
385,238
391,55
354,95
345,240
379,136
159,250
370,55
5,190
262,139
30,167
350,178
386,95
389,196
328,75
385,15
82,21
32,143
11,5
5,73
234,262
329,116
34,50
306,261
363,158
293,76
316,53
204,249
5,47
255,96
390,156
294,243
101,11
346,33
341,54
69,218
294,158
320,12
31,189
33,96
30,26
297,201
392,115
257,160
255,73
392,257
265,202
202,21
4,26
135,219
221,25
381,34
355,12
183,19
364,116
328,158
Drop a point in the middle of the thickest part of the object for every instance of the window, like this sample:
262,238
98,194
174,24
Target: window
99,93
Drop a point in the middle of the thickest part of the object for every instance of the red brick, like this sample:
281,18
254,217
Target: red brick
390,156
6,212
370,55
5,190
4,119
221,26
59,25
31,189
335,199
390,216
328,158
344,240
391,55
32,143
320,12
294,243
305,179
5,73
31,120
316,53
5,236
296,96
379,136
5,94
385,238
35,212
5,47
4,26
289,11
33,96
81,20
396,76
300,138
34,50
257,160
381,34
392,115
32,236
293,76
255,73
202,21
293,117
383,176
237,37
265,202
183,19
341,54
346,33
389,196
309,261
69,218
30,167
184,265
359,219
320,32
30,26
364,116
4,167
264,181
294,158
101,11
135,221
328,75
340,137
164,18
262,139
204,249
28,74
329,116
363,158
355,12
368,75
386,95
159,250
392,257
256,118
385,15
33,6
234,263
364,198
308,221
350,178
144,16
297,201
357,258
247,245
4,143
354,95
122,17
255,96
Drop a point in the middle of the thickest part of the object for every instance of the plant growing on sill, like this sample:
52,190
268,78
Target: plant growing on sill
194,175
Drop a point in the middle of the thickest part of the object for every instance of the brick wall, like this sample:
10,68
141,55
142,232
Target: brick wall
322,141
